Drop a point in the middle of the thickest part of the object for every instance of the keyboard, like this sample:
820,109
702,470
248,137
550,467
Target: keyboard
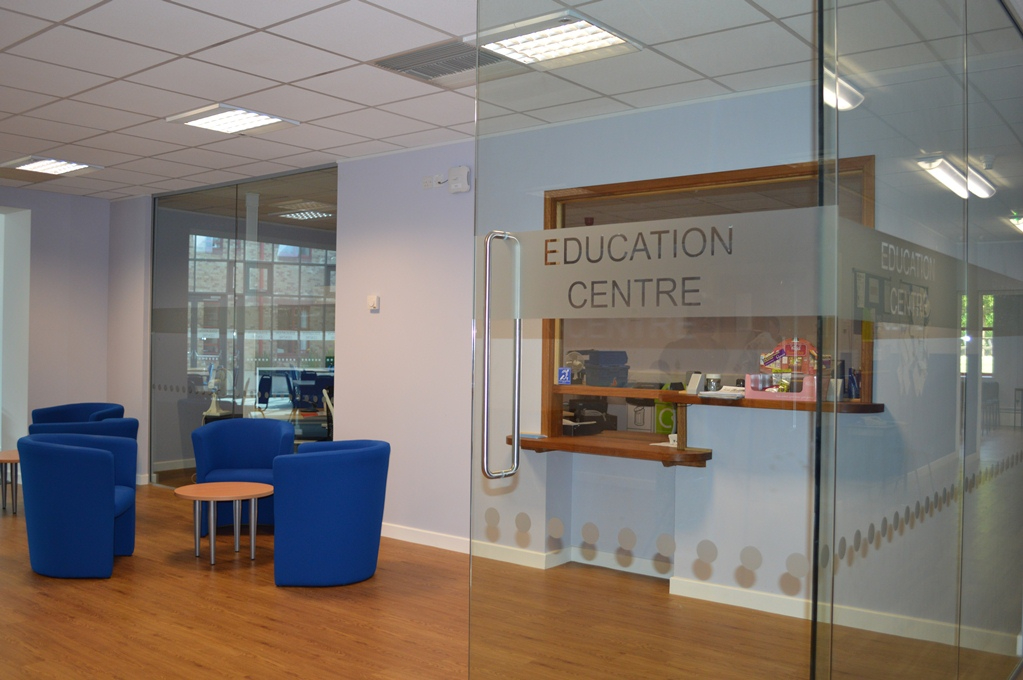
726,392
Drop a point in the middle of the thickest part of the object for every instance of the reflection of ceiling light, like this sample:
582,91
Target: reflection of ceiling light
306,215
839,94
978,184
1016,220
231,120
297,205
50,166
555,40
953,179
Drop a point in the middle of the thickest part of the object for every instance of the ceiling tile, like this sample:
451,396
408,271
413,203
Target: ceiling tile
270,56
532,91
127,176
204,158
90,52
310,136
173,185
775,76
754,47
656,21
365,149
90,115
368,85
430,137
360,31
454,16
19,101
38,128
872,26
256,148
15,27
443,108
257,13
200,79
310,159
261,168
155,166
787,8
673,94
15,146
625,73
141,146
36,76
217,177
150,101
599,106
294,103
53,10
373,123
495,14
158,24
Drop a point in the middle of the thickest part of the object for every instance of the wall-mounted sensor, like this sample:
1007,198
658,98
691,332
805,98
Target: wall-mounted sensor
458,179
373,303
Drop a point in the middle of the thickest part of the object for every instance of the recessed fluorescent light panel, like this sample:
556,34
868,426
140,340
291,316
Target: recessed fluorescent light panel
954,180
839,94
231,120
50,166
555,40
306,215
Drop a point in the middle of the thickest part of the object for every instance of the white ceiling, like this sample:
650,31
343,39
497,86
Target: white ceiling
92,80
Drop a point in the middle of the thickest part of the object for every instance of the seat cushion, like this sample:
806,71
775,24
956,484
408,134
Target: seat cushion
124,498
264,475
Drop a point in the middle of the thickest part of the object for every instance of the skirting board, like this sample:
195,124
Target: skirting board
421,537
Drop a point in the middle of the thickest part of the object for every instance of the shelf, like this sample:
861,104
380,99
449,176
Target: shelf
636,445
673,397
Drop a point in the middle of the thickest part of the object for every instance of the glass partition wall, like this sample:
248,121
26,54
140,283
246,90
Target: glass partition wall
243,310
748,190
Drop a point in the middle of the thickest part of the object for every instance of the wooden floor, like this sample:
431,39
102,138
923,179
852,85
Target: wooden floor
167,614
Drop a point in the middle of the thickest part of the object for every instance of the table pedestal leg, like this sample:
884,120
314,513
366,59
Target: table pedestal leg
3,482
237,524
196,514
213,532
252,529
14,486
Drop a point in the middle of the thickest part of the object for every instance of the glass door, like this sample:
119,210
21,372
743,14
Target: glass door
648,229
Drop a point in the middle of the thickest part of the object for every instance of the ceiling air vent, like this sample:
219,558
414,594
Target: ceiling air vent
451,64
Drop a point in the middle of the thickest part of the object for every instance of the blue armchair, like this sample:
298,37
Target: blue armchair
329,511
77,413
109,427
241,450
79,495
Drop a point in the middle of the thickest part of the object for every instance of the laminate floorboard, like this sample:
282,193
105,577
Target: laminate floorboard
167,614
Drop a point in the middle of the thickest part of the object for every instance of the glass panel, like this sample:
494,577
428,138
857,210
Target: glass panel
611,550
226,279
919,517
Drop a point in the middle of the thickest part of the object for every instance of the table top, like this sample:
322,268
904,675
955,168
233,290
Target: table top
224,491
9,456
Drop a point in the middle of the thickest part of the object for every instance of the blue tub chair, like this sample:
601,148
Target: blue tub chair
77,413
329,509
109,427
240,450
79,496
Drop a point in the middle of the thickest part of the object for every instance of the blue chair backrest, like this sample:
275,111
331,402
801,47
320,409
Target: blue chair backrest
111,427
242,442
77,413
124,450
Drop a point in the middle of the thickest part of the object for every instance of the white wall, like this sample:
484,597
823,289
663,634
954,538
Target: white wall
128,346
15,265
404,374
68,296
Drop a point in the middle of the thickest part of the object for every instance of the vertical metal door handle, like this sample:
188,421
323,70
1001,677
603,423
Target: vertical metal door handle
516,391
